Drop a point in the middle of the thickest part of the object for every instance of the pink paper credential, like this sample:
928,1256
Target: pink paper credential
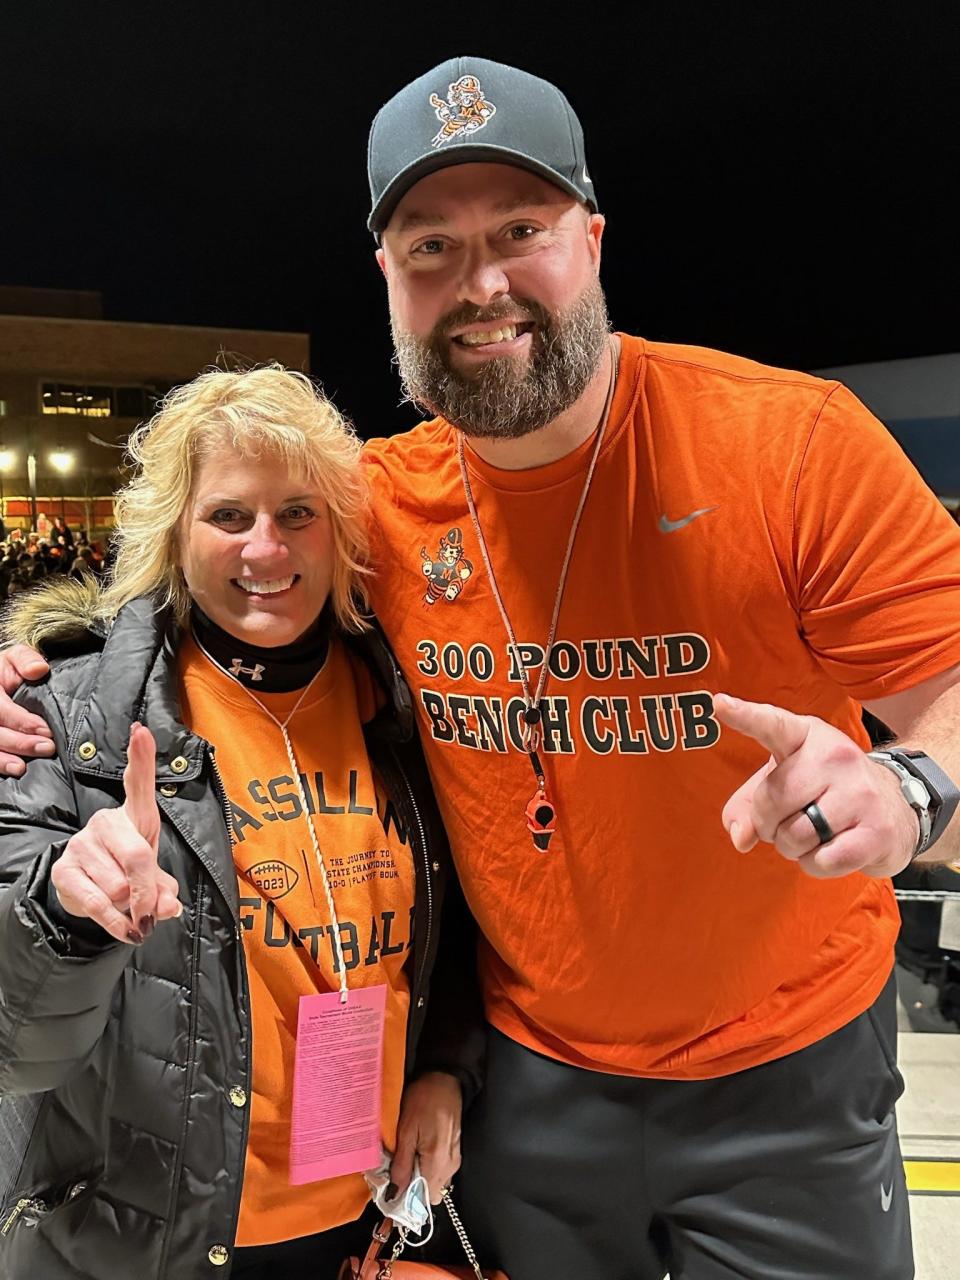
335,1127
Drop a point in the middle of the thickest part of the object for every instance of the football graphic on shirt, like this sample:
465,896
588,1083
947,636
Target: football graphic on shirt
273,879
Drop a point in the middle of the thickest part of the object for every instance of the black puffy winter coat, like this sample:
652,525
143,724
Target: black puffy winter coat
132,1164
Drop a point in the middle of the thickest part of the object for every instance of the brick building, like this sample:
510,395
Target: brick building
73,386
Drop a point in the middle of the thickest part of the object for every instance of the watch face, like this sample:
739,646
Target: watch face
916,793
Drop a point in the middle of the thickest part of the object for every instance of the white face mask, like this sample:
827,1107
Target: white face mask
411,1210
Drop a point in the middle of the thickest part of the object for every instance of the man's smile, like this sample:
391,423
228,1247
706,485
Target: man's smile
505,331
498,339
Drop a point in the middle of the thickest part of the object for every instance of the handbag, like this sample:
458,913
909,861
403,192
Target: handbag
374,1267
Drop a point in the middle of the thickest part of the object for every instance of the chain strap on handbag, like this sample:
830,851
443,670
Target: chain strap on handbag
459,1229
391,1268
457,1226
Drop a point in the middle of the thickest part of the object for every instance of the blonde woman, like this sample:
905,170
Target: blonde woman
234,825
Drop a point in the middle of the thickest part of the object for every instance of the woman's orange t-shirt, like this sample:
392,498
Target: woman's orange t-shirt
287,931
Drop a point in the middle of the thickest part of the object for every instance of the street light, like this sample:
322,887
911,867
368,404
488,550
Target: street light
62,462
32,486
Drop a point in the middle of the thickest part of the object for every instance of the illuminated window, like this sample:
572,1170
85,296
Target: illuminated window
98,402
65,397
138,402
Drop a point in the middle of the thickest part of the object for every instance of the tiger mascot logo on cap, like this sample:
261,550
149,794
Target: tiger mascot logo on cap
465,110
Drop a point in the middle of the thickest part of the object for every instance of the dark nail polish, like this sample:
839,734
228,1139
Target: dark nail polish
135,937
392,1191
147,924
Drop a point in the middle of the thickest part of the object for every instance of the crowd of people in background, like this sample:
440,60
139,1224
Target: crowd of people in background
28,557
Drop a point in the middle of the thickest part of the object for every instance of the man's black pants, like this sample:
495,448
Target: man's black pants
787,1171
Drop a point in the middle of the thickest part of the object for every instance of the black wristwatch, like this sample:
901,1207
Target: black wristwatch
929,792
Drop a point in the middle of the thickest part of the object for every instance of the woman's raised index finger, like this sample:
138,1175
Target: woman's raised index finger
139,780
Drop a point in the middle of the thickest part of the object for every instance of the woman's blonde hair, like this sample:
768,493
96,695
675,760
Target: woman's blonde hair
267,411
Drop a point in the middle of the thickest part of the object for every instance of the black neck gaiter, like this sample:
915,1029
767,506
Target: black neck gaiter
277,670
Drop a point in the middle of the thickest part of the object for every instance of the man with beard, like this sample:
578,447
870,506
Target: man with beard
691,1052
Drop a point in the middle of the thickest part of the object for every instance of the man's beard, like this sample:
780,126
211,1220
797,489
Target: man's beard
509,396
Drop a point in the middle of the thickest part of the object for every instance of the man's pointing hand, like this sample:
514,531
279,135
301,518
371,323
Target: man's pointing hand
814,763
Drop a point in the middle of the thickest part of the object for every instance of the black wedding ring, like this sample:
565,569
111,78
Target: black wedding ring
821,826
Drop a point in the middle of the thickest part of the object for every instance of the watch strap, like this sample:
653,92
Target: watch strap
909,787
944,793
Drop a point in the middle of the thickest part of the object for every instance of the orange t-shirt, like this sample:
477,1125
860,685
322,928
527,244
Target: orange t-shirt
749,530
287,931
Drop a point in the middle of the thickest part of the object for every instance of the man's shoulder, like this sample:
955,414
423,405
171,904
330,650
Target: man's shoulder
682,361
405,444
706,399
393,461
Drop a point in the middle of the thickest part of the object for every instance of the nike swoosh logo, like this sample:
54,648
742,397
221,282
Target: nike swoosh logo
671,526
886,1197
586,176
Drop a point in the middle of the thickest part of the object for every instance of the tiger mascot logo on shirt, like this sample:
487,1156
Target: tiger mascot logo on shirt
465,110
448,572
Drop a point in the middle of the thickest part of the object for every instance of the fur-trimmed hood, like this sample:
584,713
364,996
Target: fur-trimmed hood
65,616
58,611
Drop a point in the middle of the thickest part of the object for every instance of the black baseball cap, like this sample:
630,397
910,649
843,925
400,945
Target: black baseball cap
471,110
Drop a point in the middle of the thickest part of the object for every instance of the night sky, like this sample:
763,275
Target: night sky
779,179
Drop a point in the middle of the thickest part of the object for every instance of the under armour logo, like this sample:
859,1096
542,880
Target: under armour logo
238,669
